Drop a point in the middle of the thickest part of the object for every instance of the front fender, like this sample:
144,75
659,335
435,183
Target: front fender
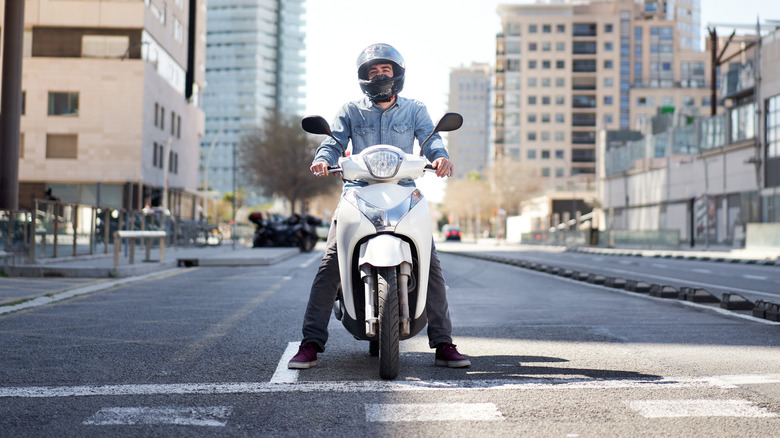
385,250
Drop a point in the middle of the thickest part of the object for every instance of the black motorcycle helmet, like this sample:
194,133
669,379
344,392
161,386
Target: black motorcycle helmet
381,88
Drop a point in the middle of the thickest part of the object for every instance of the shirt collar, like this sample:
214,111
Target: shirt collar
366,103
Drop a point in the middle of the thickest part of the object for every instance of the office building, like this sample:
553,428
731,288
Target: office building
470,92
565,70
254,65
111,93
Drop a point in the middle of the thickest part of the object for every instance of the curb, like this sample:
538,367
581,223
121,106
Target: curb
667,254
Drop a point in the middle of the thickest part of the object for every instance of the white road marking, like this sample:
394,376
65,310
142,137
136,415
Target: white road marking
659,265
702,271
754,277
48,299
518,384
283,374
392,413
194,416
698,408
311,260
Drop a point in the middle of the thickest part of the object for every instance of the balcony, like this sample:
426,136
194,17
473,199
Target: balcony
583,83
584,48
583,156
584,66
583,137
583,119
583,101
584,29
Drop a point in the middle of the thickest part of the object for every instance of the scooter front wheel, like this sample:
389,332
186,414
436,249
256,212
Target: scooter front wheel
389,336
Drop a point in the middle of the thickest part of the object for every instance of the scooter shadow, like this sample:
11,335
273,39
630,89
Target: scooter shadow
418,366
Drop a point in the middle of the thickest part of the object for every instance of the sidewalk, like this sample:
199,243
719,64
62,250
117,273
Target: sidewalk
102,265
51,277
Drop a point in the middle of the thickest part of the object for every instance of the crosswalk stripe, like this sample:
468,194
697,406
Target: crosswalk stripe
698,408
182,416
519,384
394,412
282,373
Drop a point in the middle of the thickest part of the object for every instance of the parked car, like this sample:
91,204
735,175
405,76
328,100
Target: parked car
451,232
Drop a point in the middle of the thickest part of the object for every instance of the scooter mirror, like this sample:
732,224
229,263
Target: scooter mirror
316,125
448,122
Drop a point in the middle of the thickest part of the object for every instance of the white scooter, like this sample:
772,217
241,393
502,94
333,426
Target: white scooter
384,240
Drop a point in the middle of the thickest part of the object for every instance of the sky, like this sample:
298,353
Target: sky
433,36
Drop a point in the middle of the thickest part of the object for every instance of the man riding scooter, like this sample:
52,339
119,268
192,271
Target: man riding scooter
381,117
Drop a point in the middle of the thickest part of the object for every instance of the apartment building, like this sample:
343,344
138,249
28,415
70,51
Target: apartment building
566,70
255,64
470,92
111,94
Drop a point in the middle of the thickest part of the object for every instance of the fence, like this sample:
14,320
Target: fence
59,229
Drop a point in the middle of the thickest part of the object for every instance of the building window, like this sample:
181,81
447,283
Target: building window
545,154
173,123
62,146
559,118
178,127
531,82
607,100
608,82
608,64
560,47
546,172
531,64
546,46
63,103
559,154
545,100
162,118
608,46
560,100
531,100
532,118
24,102
532,28
532,47
560,82
546,82
532,136
546,28
531,154
608,28
560,28
546,65
156,114
560,64
559,136
104,46
545,118
773,127
154,156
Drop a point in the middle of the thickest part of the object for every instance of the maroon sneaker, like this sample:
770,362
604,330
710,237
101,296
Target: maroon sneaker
447,356
306,357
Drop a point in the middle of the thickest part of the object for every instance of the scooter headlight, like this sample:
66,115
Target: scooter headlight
383,163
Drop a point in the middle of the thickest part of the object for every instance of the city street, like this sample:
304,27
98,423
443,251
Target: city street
202,352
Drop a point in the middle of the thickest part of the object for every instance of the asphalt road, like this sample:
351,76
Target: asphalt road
753,281
202,352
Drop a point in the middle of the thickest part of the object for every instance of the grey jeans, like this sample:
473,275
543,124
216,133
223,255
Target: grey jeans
325,287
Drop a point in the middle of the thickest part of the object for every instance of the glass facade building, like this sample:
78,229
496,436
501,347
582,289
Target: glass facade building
254,64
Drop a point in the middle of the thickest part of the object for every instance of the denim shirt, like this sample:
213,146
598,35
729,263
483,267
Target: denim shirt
367,124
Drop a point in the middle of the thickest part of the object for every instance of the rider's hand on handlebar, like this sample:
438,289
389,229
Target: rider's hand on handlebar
443,167
319,169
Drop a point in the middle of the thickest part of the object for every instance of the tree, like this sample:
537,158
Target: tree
276,157
512,183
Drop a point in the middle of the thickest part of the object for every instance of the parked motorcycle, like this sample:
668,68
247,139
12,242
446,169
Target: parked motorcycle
296,230
384,238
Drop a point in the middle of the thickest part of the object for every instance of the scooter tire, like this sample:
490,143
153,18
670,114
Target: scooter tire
307,243
389,335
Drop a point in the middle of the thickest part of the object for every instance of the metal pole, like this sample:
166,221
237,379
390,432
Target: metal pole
233,222
11,104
